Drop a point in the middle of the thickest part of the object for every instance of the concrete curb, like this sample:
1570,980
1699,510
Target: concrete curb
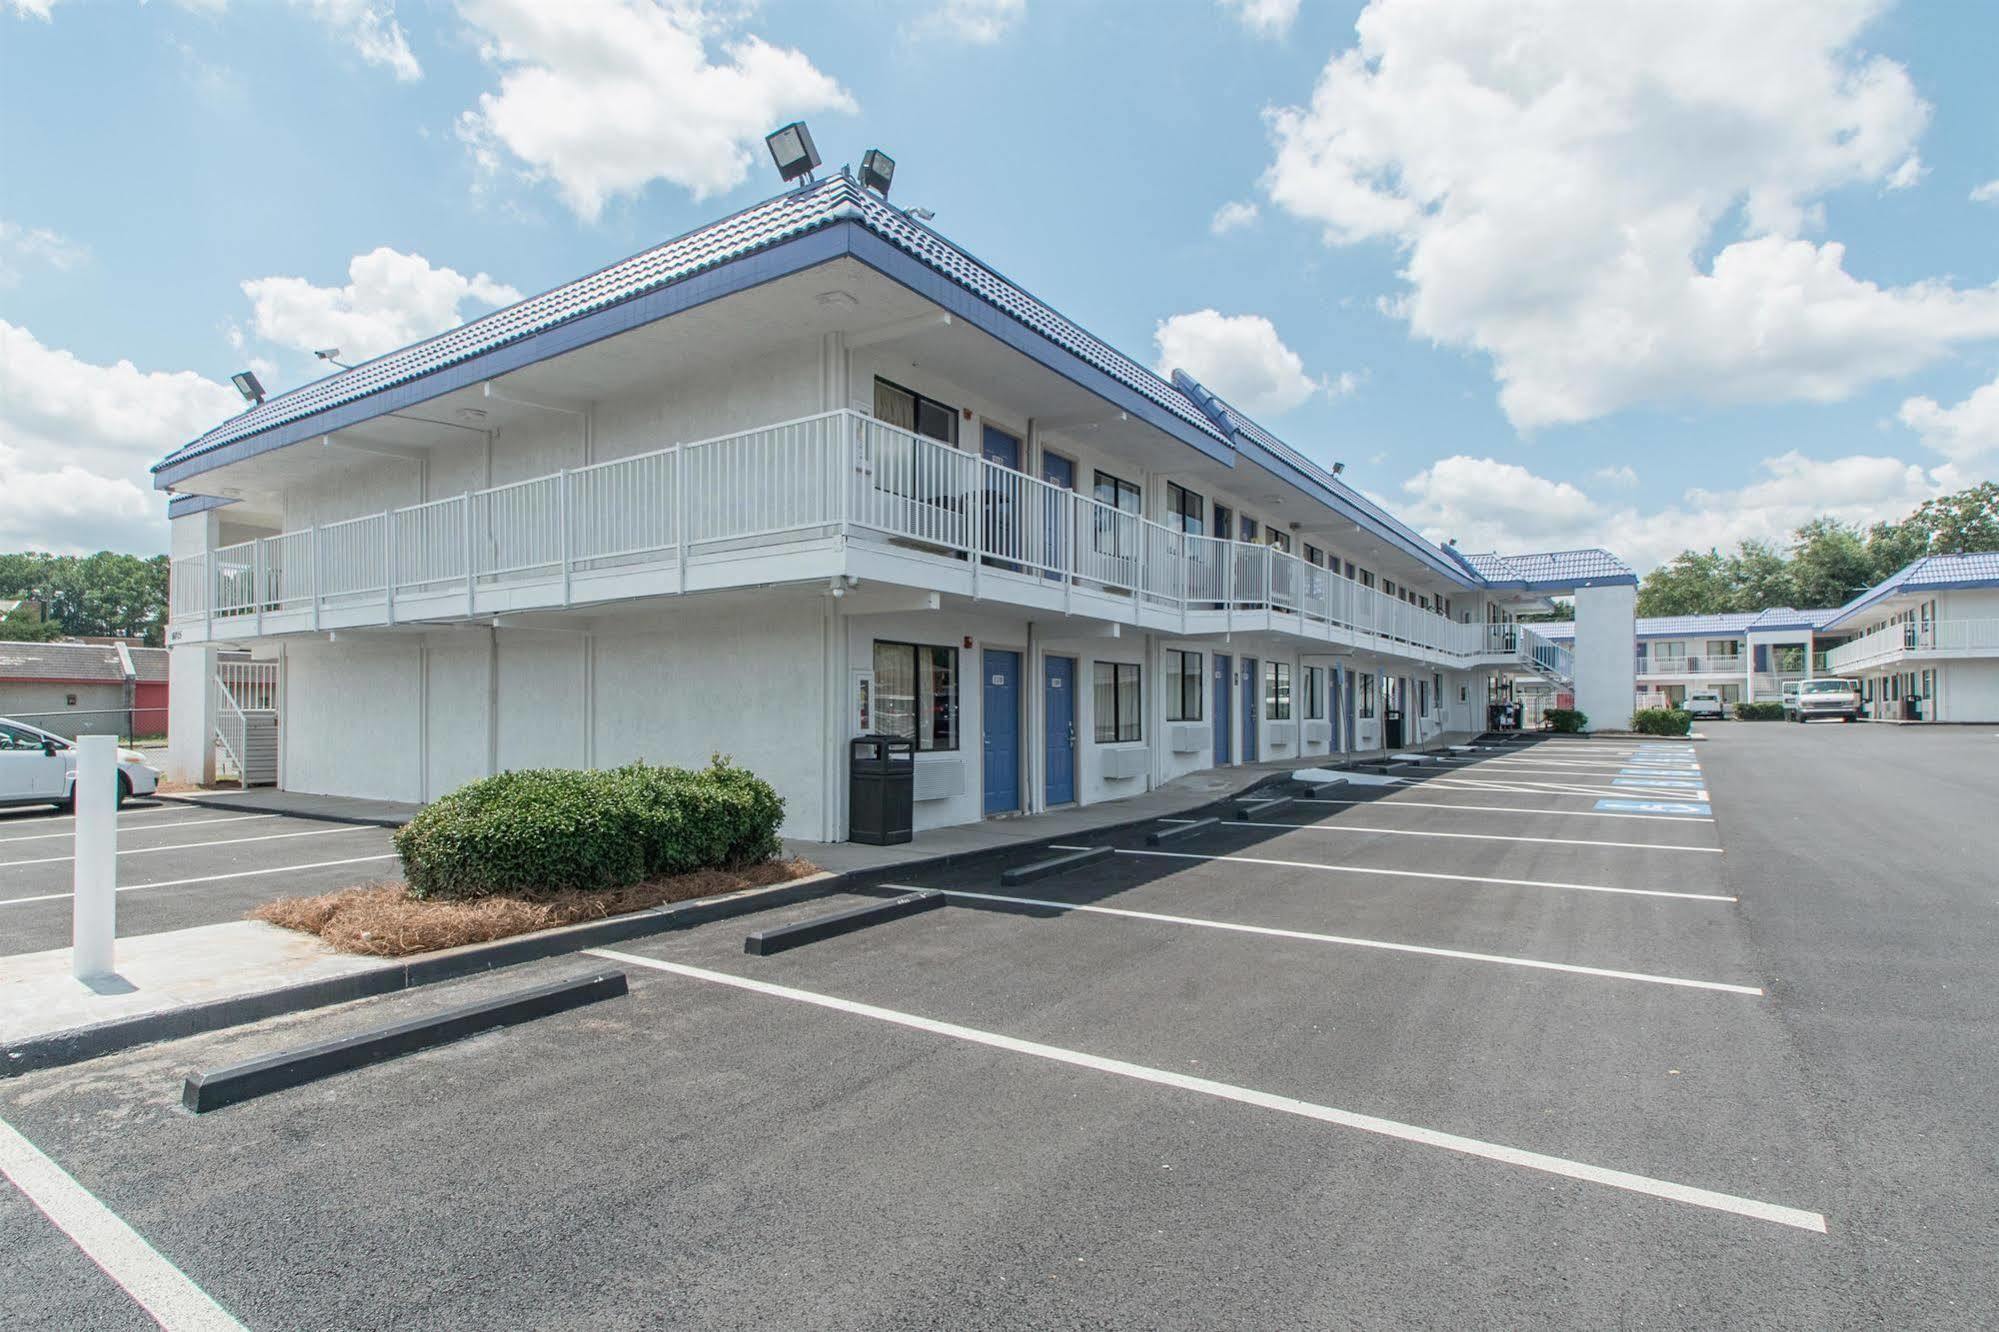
1042,869
763,943
235,1083
212,802
78,1044
1165,835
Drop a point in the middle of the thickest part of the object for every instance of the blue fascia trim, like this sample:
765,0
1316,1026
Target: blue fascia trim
1332,499
899,266
738,275
846,238
180,506
1955,585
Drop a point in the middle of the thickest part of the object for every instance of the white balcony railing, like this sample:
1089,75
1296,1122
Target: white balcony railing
1702,664
838,473
1888,644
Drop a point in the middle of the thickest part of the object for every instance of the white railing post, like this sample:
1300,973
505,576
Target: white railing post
846,466
313,582
975,509
389,566
259,563
562,527
681,535
465,523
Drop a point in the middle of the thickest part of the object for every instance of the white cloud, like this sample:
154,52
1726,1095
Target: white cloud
604,97
370,27
1906,175
38,9
391,299
1232,217
1265,18
1554,177
23,248
79,437
1492,505
974,22
1986,193
1963,433
1238,356
1346,383
1622,476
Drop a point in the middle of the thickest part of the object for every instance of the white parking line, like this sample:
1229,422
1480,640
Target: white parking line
174,808
1417,874
1477,837
1224,1091
1399,802
207,878
155,1285
1522,786
152,828
1309,936
201,846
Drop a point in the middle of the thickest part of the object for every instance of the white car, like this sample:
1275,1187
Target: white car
1829,698
1703,703
38,767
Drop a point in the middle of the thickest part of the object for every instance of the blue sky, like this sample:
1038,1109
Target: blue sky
1570,273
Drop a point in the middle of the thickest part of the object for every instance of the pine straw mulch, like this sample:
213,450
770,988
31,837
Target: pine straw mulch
383,920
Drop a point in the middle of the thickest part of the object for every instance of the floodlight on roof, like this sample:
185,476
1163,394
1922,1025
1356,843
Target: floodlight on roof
1339,467
878,171
792,149
331,355
247,385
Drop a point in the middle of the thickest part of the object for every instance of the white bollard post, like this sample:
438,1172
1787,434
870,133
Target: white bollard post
95,906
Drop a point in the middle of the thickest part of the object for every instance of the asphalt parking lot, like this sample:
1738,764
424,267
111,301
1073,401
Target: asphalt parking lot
179,865
1500,1046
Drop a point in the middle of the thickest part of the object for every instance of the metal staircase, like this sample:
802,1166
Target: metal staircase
1550,660
246,722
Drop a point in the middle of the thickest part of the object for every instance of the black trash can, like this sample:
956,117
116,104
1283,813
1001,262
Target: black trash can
1394,727
1910,711
881,789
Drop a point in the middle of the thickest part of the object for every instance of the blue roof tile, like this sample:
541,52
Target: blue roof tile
1931,573
794,213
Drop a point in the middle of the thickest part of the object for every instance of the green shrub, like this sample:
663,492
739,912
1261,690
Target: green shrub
550,830
1567,721
1759,712
1662,721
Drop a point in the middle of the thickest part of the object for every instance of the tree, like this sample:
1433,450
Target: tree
1760,577
21,625
105,594
1959,524
1693,584
1829,563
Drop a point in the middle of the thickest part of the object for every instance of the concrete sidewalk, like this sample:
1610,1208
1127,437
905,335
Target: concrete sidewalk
1176,796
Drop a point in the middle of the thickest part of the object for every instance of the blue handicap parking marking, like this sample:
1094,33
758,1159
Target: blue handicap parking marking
1672,783
1654,807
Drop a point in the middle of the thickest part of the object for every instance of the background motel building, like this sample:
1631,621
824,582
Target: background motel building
1923,645
804,473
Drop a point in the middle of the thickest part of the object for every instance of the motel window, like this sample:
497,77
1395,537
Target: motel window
1117,697
1437,690
1366,704
1117,492
1277,691
1422,698
1722,647
1350,571
912,411
1388,586
1315,693
1366,579
1313,555
1281,540
1184,686
1184,509
916,693
1247,529
1224,521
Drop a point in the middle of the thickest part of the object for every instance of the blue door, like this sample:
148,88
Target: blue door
1223,706
1002,731
1056,471
1059,707
1002,523
1249,692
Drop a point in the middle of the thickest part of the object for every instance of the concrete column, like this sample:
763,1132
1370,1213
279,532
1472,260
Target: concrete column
1606,650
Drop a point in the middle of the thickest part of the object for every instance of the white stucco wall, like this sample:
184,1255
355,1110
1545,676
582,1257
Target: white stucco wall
1606,641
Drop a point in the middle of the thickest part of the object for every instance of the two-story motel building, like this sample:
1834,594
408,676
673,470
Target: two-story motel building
1922,645
809,472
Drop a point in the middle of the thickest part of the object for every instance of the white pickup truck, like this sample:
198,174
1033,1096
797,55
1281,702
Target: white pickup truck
1703,703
